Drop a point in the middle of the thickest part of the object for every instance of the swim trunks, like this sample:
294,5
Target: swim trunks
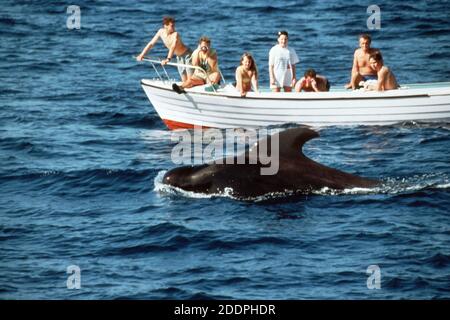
368,77
185,58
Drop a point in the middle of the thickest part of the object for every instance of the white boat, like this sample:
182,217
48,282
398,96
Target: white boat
224,108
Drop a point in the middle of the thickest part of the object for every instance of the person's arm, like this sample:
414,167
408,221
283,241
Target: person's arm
293,61
240,82
314,85
171,49
299,85
272,75
355,67
382,75
294,76
195,62
271,68
195,58
255,82
148,46
212,60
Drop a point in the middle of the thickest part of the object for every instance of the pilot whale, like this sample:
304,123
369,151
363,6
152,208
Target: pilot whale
296,174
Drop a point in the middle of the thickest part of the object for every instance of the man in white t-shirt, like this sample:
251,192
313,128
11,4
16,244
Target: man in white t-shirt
282,60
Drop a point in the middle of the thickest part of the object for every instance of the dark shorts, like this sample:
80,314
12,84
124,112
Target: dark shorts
369,77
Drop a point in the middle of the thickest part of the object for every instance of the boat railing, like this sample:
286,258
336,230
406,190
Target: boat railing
155,62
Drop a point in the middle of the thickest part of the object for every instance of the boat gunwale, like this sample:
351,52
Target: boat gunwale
295,98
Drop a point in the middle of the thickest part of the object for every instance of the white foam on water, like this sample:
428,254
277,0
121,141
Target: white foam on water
152,135
396,185
168,189
388,186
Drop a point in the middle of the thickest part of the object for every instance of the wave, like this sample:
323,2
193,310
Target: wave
119,119
261,9
173,292
6,21
8,91
90,178
114,34
438,260
436,32
17,144
397,185
439,55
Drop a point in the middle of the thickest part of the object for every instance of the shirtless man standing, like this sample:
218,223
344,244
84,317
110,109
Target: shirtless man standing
386,79
172,41
361,70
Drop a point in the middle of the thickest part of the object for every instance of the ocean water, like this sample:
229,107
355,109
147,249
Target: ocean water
82,154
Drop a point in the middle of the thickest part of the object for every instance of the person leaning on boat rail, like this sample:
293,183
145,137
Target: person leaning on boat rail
282,60
247,75
204,57
312,82
386,79
172,40
361,70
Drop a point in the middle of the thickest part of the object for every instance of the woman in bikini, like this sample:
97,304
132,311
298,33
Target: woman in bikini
247,75
172,41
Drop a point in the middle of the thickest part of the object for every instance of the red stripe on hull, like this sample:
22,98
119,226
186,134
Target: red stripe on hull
175,125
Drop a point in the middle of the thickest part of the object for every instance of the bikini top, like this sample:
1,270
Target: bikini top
244,74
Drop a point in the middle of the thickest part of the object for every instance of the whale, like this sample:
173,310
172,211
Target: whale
296,174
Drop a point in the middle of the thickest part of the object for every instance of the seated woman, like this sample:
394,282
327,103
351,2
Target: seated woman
206,58
247,75
386,79
312,82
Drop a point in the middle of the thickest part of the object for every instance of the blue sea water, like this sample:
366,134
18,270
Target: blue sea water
82,153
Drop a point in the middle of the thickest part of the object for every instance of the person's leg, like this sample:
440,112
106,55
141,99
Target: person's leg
214,78
189,83
192,82
349,84
287,89
184,77
181,69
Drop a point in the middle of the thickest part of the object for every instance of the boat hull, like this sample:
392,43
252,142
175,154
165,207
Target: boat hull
226,109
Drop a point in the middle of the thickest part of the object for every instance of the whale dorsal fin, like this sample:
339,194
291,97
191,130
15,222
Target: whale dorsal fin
292,140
